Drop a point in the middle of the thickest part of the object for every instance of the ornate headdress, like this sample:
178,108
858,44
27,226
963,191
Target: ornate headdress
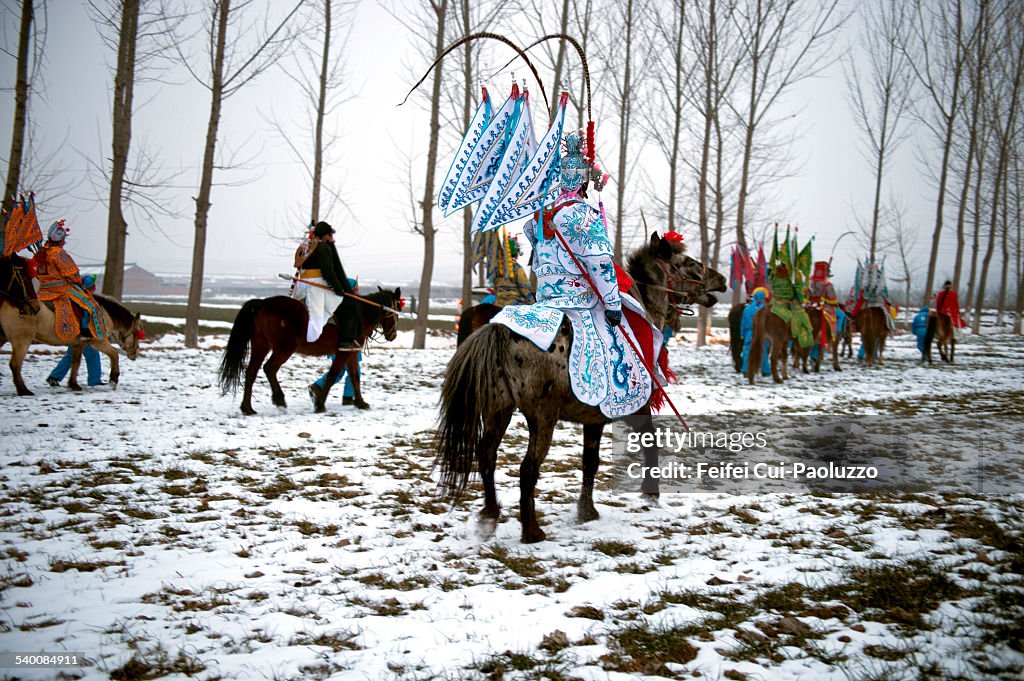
500,163
57,231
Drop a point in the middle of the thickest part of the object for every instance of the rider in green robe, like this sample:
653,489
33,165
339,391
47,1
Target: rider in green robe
787,303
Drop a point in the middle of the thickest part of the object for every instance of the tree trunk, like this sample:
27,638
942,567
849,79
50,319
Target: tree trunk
625,114
975,241
20,108
702,193
556,81
467,212
321,108
947,145
124,88
195,291
423,313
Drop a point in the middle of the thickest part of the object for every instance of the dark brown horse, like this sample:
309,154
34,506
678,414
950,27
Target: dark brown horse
873,331
473,317
735,339
277,326
940,331
772,328
21,330
495,372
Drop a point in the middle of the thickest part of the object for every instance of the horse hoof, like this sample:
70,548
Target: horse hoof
248,411
319,408
26,393
585,515
361,405
74,387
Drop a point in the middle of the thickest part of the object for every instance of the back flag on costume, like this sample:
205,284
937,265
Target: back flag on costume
462,157
520,148
475,178
21,227
538,185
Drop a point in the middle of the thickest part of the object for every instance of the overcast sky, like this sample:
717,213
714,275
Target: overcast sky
254,226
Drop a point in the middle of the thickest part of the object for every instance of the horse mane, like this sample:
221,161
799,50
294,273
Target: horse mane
384,297
119,314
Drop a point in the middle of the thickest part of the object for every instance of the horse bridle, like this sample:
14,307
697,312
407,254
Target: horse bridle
17,278
682,291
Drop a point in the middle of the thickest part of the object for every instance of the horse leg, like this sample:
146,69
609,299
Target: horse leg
952,347
487,461
774,354
76,362
353,374
19,348
257,351
834,345
785,360
541,432
585,510
277,358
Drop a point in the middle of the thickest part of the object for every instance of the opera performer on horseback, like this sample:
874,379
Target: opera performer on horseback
325,287
822,295
577,279
61,284
947,303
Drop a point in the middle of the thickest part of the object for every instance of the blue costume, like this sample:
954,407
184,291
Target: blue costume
747,332
92,365
920,326
89,353
349,392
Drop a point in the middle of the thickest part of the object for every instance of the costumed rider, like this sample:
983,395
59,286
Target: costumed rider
316,388
327,284
947,303
787,303
76,312
920,328
90,354
822,295
602,368
757,301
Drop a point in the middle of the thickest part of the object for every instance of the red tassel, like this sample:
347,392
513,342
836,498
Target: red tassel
591,149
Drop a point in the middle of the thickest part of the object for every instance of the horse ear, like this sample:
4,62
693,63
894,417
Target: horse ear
664,248
398,292
655,239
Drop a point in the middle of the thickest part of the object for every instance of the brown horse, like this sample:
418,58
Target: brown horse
496,371
803,354
772,328
873,332
473,317
940,331
277,326
125,329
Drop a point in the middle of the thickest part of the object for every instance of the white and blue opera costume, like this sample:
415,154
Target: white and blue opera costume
603,369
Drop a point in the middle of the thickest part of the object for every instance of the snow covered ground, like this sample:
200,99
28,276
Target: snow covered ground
160,534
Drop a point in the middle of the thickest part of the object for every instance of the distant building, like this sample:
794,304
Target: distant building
140,281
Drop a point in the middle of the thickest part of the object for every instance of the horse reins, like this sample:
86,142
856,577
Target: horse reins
636,351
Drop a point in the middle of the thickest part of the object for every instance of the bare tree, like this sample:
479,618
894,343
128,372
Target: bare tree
1007,82
782,43
316,67
621,71
937,53
439,9
230,70
122,25
21,89
670,73
977,60
880,95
